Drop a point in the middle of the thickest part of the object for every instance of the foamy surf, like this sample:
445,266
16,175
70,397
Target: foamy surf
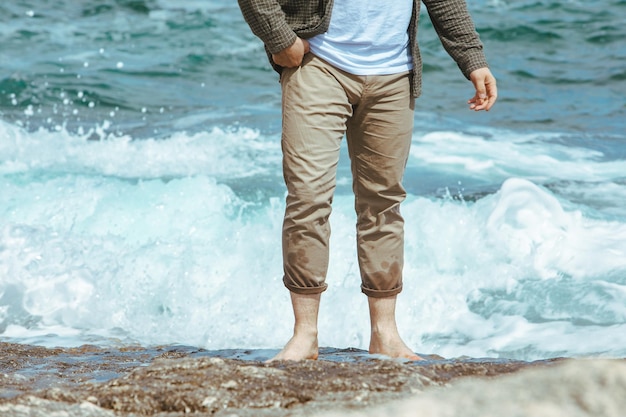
175,240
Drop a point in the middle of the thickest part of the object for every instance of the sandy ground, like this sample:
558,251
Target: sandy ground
171,381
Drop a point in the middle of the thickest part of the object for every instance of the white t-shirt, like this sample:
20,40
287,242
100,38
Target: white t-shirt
367,37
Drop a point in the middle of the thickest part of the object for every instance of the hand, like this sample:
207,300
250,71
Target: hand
486,90
292,56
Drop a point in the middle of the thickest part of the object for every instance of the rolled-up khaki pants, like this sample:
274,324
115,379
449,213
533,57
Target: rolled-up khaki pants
320,104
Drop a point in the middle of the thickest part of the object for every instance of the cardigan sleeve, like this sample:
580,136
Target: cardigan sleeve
457,33
268,21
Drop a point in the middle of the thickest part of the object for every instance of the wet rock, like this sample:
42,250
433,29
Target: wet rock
209,385
172,382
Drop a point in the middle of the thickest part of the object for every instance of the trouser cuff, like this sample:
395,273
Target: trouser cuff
304,290
381,293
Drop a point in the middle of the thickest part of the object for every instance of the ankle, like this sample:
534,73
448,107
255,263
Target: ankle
309,332
385,331
383,340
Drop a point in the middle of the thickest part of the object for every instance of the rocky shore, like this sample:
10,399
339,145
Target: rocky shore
174,381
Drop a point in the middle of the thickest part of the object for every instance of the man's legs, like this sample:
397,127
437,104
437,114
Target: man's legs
379,137
314,120
315,109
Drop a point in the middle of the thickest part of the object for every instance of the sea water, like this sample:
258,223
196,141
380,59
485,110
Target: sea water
141,193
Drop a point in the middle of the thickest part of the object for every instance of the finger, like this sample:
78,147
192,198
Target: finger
307,46
492,93
489,103
486,93
479,106
478,101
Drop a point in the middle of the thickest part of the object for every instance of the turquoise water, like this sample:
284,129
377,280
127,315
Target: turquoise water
141,192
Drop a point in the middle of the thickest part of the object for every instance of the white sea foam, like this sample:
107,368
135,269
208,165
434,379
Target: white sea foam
143,240
505,154
218,153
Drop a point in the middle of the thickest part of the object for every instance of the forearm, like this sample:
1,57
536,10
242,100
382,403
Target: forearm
267,21
457,33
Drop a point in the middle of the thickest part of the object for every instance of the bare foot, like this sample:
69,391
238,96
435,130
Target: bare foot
300,347
303,344
391,346
385,338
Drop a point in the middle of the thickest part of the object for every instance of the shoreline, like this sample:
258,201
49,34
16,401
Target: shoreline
175,380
